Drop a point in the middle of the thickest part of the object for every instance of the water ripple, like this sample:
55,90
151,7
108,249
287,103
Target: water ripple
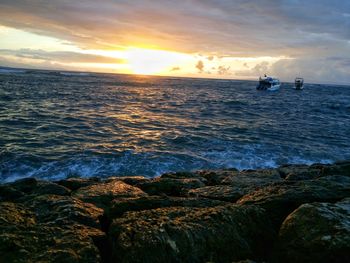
57,125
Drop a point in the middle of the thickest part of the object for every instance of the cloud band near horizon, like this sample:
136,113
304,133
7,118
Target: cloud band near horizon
315,34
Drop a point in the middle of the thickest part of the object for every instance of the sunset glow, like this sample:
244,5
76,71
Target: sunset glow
147,61
222,39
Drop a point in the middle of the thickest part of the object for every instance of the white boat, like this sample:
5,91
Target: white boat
299,83
268,83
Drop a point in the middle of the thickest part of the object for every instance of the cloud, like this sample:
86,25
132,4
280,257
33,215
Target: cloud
200,66
258,70
326,70
175,69
210,58
59,56
229,27
222,70
309,31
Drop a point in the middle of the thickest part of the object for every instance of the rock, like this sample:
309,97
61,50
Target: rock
219,192
185,175
316,232
76,183
339,168
236,184
208,177
215,177
182,234
31,186
72,243
252,178
61,210
23,239
50,188
245,261
25,185
132,180
181,217
295,172
8,193
170,186
15,214
279,200
120,206
103,193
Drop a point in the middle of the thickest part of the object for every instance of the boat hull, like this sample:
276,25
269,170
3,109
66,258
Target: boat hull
272,88
298,87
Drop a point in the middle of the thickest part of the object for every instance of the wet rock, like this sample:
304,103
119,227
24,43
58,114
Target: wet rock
281,199
76,183
103,193
120,206
170,186
181,234
317,232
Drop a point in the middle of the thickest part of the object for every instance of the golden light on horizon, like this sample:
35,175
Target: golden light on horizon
152,61
138,58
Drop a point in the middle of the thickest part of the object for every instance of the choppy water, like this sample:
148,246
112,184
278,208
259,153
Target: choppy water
54,125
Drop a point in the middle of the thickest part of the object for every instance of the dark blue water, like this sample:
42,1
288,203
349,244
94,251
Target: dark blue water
54,125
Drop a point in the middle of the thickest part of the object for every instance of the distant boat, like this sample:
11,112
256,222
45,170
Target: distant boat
268,83
299,83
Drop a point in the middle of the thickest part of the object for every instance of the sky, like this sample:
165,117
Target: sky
234,39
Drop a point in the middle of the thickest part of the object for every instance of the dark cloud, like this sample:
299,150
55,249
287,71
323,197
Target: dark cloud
239,27
200,66
59,56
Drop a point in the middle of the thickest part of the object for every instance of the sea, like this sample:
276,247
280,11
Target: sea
55,125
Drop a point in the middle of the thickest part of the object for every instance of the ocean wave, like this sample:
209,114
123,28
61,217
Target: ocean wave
54,126
146,164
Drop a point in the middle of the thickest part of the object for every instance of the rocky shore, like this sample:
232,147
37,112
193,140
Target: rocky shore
294,213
